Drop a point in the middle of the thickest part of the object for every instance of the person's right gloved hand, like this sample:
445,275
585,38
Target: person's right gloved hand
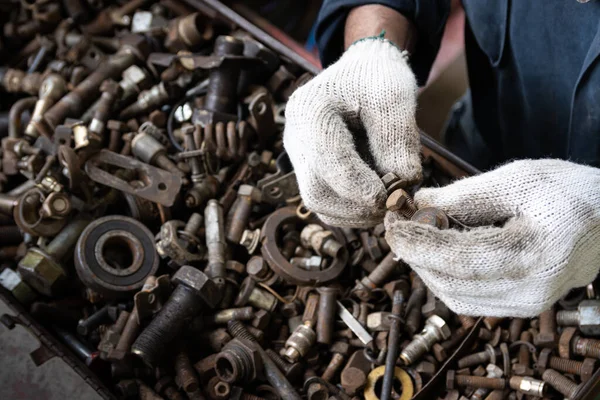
372,89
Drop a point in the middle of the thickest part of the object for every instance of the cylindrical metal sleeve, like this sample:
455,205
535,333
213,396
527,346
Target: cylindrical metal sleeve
326,315
215,241
239,219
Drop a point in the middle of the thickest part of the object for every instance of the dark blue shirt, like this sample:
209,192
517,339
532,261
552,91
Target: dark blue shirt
533,70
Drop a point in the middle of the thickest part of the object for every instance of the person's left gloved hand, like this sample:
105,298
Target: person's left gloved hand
537,236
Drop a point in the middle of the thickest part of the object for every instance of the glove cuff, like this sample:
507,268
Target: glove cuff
380,38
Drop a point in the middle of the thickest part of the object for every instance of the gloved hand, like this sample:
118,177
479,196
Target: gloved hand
549,241
371,89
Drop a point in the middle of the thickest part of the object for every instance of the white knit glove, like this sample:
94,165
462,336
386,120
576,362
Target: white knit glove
371,89
548,243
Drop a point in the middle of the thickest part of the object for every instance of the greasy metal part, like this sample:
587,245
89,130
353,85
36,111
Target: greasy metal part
185,375
74,103
561,383
16,115
159,186
224,316
393,346
271,253
376,278
114,256
178,241
547,337
239,361
586,317
149,150
27,214
52,88
193,291
452,380
354,375
12,281
434,331
41,268
111,91
272,373
85,326
340,351
326,314
215,242
188,33
111,337
320,240
240,212
523,367
584,369
414,304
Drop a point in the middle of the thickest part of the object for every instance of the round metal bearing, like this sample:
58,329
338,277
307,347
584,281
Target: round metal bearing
114,256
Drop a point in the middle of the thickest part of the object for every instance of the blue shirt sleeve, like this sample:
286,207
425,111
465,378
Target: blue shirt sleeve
429,17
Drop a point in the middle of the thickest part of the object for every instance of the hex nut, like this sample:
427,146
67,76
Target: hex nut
238,361
378,321
564,343
13,282
589,317
41,272
196,280
261,319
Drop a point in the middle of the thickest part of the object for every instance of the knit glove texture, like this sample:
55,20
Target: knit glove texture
537,237
364,103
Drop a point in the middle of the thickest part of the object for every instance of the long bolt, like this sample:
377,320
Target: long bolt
326,314
571,366
413,306
274,376
480,382
336,362
561,383
184,304
393,345
377,277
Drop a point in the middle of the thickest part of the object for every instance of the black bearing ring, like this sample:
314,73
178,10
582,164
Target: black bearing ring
95,271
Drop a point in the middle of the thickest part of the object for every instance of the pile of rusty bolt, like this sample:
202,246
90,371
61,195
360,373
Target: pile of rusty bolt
149,218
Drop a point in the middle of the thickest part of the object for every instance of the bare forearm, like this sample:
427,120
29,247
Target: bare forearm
371,19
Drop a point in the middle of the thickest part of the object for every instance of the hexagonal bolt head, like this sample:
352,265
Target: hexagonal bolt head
199,283
41,272
12,281
399,200
342,348
111,87
136,78
565,342
378,321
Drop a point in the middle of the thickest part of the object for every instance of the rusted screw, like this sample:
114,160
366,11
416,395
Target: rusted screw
482,357
414,304
453,380
291,371
547,337
340,351
165,387
240,212
194,290
400,201
561,383
584,368
185,375
572,344
376,278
